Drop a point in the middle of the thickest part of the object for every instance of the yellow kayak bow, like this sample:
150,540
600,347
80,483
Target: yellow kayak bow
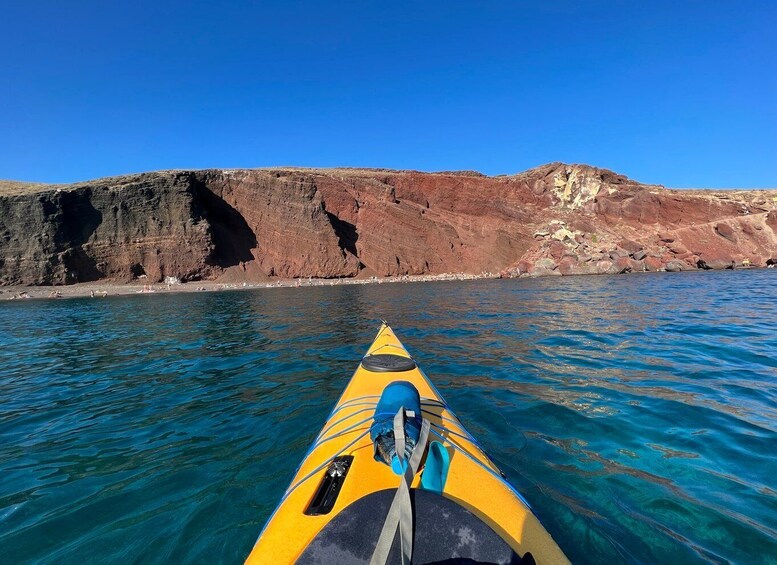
337,508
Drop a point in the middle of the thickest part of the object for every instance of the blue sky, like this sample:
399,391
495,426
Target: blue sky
678,93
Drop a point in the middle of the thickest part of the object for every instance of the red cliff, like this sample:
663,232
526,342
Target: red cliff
252,224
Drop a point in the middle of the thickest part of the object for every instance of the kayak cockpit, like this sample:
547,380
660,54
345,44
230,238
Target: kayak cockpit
444,531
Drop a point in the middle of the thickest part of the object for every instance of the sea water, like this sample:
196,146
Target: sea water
637,414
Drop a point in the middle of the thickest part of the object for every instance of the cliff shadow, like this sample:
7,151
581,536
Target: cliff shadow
347,235
78,222
80,266
233,238
79,218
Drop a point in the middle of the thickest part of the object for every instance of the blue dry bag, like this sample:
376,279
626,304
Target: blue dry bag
399,394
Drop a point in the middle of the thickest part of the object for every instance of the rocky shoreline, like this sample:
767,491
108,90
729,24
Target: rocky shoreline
259,226
568,252
105,289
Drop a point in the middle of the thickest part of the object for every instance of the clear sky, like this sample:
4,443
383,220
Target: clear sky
678,93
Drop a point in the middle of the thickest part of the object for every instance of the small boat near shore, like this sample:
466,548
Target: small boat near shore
394,477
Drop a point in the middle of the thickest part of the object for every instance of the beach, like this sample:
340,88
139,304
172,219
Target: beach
102,289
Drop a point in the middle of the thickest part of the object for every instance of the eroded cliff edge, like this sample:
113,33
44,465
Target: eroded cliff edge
254,224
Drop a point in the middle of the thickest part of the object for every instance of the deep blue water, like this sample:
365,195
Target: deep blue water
638,414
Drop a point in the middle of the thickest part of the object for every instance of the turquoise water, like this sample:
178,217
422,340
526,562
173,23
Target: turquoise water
638,414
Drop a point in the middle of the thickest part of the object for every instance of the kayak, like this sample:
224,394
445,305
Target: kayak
394,477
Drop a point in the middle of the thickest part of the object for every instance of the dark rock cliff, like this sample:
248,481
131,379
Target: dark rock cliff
251,224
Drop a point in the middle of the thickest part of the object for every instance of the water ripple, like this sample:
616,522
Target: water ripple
637,414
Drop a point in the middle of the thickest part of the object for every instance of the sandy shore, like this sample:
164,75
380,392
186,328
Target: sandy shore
101,289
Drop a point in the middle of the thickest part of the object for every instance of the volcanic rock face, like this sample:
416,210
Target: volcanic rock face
249,224
115,228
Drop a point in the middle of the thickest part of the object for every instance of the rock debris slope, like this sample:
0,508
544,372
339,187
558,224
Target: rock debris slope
251,224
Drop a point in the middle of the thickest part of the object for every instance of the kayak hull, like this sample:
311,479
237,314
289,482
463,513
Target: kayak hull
473,481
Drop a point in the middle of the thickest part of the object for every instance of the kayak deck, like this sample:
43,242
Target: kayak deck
473,482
